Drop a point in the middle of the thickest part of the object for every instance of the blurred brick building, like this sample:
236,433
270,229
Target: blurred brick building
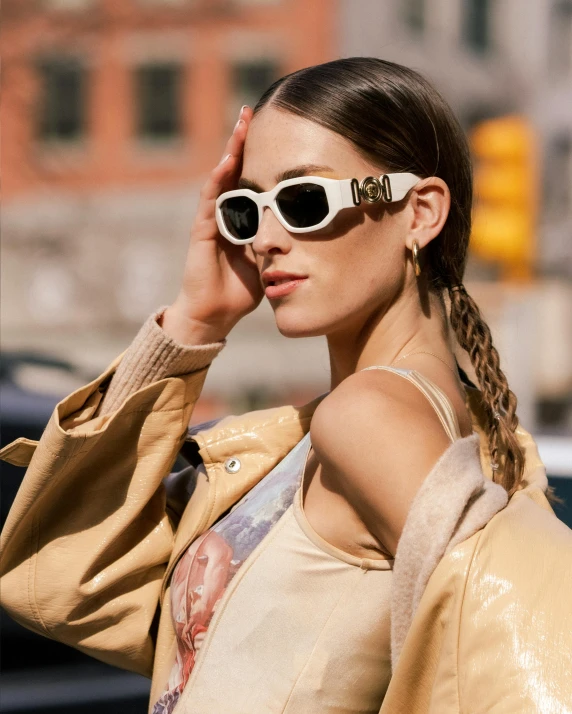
113,113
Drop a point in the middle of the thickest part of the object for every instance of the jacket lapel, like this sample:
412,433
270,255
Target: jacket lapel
454,502
237,453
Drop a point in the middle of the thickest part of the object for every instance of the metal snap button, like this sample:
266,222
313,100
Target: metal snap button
232,465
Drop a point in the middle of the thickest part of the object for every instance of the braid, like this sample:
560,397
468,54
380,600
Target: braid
474,336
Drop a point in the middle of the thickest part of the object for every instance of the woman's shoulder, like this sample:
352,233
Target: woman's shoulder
379,410
377,437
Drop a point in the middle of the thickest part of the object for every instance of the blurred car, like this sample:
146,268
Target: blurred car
556,455
39,674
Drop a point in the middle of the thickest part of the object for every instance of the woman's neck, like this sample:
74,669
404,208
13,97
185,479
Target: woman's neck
386,335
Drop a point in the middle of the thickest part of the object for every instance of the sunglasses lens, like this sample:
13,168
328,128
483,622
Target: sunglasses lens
240,215
303,205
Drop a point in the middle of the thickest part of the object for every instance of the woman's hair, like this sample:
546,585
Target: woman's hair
396,120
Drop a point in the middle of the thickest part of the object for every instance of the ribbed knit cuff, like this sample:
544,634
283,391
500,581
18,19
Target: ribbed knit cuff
152,356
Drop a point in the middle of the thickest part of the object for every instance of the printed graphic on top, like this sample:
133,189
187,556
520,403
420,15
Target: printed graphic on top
204,572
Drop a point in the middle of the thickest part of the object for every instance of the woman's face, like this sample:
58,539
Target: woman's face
353,268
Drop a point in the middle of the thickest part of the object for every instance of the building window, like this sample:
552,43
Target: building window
62,99
476,20
414,14
558,176
159,101
560,45
250,79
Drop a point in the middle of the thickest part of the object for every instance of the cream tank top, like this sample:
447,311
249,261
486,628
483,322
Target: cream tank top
271,618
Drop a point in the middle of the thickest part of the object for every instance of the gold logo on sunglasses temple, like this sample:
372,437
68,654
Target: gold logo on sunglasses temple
371,189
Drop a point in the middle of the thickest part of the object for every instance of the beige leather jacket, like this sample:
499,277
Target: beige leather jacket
482,610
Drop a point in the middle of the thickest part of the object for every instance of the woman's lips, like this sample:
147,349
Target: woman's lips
283,288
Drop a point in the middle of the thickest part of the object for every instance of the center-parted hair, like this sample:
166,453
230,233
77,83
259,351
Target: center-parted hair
399,122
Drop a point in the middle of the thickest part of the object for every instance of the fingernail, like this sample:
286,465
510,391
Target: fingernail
240,121
242,108
225,158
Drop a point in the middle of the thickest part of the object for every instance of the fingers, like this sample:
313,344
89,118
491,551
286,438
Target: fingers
225,172
235,143
222,178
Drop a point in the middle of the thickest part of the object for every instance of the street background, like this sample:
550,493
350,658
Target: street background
114,111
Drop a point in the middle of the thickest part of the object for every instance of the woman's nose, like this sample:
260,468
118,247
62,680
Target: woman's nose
271,236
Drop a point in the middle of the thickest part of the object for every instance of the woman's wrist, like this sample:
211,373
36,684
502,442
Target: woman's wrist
155,355
187,331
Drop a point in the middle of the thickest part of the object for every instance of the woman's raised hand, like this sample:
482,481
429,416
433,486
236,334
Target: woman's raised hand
221,282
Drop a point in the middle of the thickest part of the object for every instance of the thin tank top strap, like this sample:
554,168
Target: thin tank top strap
435,396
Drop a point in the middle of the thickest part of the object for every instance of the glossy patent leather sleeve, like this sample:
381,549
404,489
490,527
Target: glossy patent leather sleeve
87,540
515,636
493,631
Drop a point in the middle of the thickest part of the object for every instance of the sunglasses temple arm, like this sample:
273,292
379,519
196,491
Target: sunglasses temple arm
401,184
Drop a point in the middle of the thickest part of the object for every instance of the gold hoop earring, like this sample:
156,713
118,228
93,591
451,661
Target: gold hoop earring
416,264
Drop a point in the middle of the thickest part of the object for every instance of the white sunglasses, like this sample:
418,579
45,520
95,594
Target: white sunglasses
304,204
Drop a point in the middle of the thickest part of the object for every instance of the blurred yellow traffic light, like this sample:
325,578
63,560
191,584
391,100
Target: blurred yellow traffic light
506,190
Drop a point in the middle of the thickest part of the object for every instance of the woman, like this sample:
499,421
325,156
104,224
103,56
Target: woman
388,547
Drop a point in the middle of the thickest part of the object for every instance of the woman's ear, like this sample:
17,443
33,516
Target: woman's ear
430,201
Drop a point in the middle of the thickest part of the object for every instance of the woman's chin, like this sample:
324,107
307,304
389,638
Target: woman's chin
292,327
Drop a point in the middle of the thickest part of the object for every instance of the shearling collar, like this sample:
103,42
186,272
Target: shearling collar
454,501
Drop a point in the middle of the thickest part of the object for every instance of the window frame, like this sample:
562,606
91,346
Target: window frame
143,125
477,25
52,106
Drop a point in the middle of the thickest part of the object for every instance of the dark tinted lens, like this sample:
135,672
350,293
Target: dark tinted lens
240,215
303,205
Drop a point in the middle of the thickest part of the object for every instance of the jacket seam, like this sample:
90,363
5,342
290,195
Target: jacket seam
463,599
210,509
34,546
53,453
56,453
254,429
199,530
121,414
150,411
213,490
77,445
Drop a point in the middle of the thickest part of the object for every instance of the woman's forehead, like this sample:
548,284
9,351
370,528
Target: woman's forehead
279,143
